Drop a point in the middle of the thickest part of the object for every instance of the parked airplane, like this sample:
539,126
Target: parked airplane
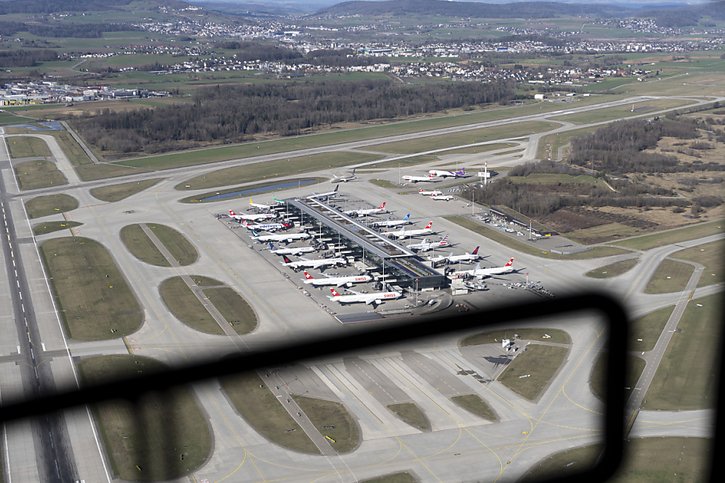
448,174
466,258
375,298
427,245
389,223
324,196
417,179
409,233
336,281
266,226
250,217
479,272
429,192
261,206
442,197
367,211
289,251
281,237
320,263
344,178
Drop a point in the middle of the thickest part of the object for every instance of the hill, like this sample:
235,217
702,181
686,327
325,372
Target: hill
52,6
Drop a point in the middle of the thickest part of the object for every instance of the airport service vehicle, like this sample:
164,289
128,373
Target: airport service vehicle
250,217
324,196
466,257
336,281
390,223
289,251
442,197
367,211
417,179
448,174
480,273
429,192
266,226
400,234
375,298
344,178
320,263
427,245
281,237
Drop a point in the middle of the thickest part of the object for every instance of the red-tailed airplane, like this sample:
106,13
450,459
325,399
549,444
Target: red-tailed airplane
375,298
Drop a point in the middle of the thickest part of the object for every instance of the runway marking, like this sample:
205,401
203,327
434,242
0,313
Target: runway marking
418,459
500,461
239,466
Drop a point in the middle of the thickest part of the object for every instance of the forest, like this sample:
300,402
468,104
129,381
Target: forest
26,57
227,114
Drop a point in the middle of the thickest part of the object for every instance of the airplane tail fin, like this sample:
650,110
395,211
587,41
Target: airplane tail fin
475,251
271,246
231,212
334,292
286,259
336,188
406,217
308,276
429,225
250,201
382,205
510,263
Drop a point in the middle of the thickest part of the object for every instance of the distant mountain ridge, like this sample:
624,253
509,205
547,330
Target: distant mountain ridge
52,6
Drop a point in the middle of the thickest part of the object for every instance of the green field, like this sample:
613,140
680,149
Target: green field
605,233
613,269
43,228
670,276
597,377
475,405
136,437
690,232
648,328
141,246
234,308
38,174
402,163
402,477
687,376
484,149
121,191
495,336
384,183
556,179
333,421
538,364
184,305
250,190
620,112
711,256
92,295
262,411
27,147
555,141
411,414
50,205
176,243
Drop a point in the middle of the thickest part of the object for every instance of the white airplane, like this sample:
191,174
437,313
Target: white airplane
282,237
367,211
429,192
320,263
289,251
479,272
417,179
428,230
324,196
442,197
344,178
250,217
466,257
427,245
336,281
389,223
266,226
448,174
261,206
375,298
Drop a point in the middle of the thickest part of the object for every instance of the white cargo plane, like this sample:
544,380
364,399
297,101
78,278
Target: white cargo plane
336,281
400,234
442,197
375,298
282,237
344,178
324,196
417,179
479,272
429,192
466,257
448,174
367,211
320,263
390,223
251,217
427,245
289,251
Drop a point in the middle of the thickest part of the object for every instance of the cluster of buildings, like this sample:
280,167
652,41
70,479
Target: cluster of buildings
26,93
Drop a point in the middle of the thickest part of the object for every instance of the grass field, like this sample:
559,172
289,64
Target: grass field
263,412
384,183
273,169
475,405
613,269
538,364
141,246
556,178
549,145
176,243
411,414
27,147
495,336
121,191
91,293
511,242
670,276
50,205
184,305
136,437
333,421
251,190
711,256
43,228
482,149
234,308
648,328
403,163
606,233
402,477
38,174
597,377
690,232
621,112
75,153
687,376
